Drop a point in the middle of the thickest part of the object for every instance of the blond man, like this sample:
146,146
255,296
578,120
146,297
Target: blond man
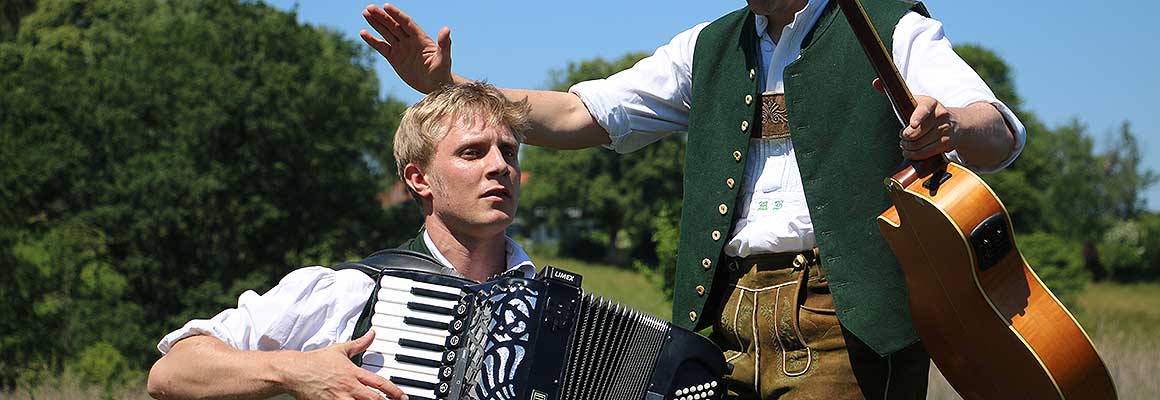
457,152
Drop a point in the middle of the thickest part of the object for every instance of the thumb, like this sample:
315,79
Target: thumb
360,345
444,38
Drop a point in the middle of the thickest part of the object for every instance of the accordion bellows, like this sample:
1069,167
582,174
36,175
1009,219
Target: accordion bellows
442,337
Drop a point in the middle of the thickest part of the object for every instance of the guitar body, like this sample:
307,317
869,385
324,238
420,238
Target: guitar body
990,325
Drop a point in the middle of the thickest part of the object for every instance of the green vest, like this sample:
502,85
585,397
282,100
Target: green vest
845,137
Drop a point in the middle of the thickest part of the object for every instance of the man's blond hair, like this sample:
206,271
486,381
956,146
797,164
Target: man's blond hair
425,123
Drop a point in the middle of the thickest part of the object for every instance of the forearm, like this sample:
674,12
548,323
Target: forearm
557,120
984,139
203,367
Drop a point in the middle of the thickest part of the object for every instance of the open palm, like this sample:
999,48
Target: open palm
421,62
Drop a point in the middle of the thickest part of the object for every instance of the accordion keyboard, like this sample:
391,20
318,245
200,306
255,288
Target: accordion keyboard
417,326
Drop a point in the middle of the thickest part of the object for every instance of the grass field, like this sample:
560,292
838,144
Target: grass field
1123,321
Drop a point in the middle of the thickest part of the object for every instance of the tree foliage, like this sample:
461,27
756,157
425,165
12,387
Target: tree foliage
619,193
159,157
1063,194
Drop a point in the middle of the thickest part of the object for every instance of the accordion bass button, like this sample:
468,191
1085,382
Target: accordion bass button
693,316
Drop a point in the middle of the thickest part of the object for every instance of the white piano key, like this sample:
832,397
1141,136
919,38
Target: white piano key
395,348
396,323
397,296
409,390
390,334
414,391
374,361
403,283
401,310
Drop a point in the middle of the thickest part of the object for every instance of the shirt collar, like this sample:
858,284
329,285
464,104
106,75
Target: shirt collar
804,19
517,259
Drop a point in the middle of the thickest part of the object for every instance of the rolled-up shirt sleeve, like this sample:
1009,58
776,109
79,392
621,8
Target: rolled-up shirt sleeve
310,308
648,101
930,66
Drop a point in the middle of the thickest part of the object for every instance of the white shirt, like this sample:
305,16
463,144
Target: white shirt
310,308
651,100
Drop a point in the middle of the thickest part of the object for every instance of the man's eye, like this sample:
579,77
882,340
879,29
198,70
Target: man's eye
471,153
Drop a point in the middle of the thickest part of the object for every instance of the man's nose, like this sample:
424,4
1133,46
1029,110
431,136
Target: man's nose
497,164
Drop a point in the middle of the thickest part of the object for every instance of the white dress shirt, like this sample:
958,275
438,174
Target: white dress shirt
651,100
309,309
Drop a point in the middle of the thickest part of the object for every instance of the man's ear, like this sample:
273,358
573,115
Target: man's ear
418,180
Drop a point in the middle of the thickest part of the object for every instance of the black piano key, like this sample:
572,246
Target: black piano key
426,323
434,294
430,308
414,397
415,344
418,361
413,383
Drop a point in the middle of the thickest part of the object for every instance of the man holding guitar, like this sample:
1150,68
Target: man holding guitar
788,144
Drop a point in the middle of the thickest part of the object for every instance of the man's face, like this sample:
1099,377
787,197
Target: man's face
474,178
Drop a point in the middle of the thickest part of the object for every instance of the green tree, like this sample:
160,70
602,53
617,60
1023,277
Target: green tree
619,193
159,157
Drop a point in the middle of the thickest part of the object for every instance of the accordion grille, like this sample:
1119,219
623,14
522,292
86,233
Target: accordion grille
612,353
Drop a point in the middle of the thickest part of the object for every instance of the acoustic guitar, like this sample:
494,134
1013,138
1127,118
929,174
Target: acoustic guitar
986,319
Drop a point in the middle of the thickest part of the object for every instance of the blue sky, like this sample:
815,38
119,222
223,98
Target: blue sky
1095,61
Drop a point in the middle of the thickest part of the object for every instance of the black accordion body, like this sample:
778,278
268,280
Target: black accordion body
438,336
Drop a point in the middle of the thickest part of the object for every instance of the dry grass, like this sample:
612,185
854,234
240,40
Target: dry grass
71,388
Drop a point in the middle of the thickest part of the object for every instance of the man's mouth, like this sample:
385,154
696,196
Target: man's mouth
500,192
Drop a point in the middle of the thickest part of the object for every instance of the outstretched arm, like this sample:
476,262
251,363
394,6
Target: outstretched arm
203,367
558,120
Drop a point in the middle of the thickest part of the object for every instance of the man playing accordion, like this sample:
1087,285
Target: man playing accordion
456,149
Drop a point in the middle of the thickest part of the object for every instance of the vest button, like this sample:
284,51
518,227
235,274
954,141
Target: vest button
693,316
722,208
748,99
716,235
700,290
737,155
744,126
729,182
752,74
706,263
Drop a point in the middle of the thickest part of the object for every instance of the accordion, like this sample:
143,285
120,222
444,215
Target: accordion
438,336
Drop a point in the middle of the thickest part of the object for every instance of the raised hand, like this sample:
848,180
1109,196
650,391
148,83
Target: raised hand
327,373
421,62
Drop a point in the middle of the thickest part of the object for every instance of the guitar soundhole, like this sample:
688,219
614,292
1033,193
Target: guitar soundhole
991,241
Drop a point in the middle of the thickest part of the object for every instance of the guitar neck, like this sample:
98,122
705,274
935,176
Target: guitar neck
880,59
